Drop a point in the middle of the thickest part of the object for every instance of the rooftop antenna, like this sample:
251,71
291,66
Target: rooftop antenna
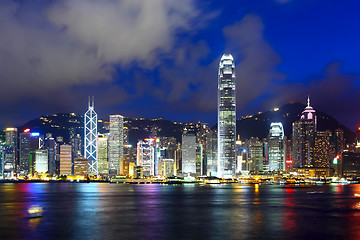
308,101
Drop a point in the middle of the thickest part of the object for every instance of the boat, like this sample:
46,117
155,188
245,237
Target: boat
35,211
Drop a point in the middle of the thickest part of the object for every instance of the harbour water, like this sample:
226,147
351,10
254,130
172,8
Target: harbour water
188,211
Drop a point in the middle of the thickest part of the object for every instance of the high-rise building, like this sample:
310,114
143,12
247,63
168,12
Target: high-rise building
11,136
50,145
91,135
116,144
226,117
65,160
256,152
103,165
167,167
189,153
351,164
146,156
303,137
276,147
8,161
81,167
41,161
11,140
199,159
25,152
211,153
321,149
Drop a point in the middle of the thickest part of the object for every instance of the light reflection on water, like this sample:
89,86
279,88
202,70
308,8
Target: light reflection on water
107,211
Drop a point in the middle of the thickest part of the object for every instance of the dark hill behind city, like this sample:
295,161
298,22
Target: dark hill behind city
256,125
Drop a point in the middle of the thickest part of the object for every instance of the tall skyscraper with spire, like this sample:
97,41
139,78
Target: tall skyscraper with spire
226,117
90,139
304,131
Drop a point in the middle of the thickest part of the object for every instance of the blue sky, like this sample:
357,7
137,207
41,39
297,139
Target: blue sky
160,57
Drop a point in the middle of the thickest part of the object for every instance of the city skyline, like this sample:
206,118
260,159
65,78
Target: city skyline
280,57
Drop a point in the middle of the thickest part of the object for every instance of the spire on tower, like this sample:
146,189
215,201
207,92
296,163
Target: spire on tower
308,101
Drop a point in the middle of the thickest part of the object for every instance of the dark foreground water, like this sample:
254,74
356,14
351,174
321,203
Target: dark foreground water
116,211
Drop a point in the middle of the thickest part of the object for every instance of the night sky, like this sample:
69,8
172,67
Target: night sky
150,58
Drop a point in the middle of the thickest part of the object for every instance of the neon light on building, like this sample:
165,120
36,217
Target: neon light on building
91,134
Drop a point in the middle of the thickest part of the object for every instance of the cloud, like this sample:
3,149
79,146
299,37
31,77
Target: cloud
77,42
331,91
64,44
256,60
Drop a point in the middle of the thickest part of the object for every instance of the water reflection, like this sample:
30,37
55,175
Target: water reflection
95,211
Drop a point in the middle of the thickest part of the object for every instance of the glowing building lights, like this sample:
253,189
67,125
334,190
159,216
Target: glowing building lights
276,147
91,134
226,117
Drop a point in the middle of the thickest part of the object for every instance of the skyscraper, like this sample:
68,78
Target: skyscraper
91,134
304,137
226,117
211,152
189,153
146,156
276,147
321,149
65,160
103,164
116,144
25,152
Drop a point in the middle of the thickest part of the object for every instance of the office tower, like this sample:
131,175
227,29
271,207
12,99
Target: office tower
199,159
256,155
116,144
340,141
91,135
25,152
146,156
8,161
189,153
351,164
226,117
167,168
103,165
321,149
50,145
75,141
1,163
157,156
65,160
11,140
239,155
288,154
81,167
211,153
303,138
202,131
178,157
276,147
11,136
41,161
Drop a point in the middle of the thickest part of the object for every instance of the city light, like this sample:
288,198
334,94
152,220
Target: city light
35,134
27,130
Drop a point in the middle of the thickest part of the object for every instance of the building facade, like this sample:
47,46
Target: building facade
226,117
276,147
116,144
189,153
90,139
303,138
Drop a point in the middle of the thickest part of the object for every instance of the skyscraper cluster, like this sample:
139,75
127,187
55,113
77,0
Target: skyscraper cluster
200,151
